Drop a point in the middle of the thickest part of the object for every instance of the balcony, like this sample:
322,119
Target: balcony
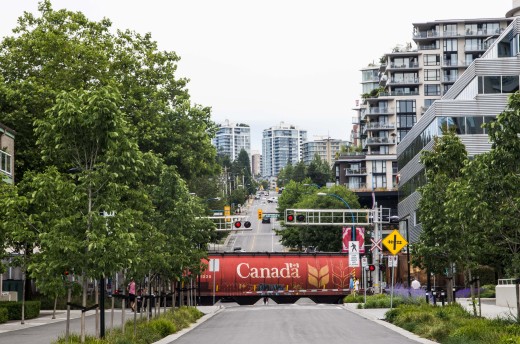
380,141
450,34
355,171
449,78
405,81
426,34
428,47
410,65
380,126
358,187
380,111
399,93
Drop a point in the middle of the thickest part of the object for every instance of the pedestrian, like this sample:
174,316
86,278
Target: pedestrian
131,294
266,300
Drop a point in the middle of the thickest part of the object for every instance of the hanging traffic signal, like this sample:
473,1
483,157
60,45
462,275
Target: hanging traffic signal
259,214
300,218
237,224
290,218
247,224
371,267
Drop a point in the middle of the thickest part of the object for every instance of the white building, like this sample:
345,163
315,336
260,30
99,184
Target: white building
231,138
281,144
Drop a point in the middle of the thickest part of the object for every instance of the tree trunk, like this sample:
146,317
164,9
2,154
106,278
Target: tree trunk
55,304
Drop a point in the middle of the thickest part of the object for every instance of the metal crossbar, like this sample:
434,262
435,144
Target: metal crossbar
225,223
339,217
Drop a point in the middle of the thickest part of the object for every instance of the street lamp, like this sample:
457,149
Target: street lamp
407,251
348,206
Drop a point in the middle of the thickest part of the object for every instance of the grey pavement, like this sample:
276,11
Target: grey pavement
487,307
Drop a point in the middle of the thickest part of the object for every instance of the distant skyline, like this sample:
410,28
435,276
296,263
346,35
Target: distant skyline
263,62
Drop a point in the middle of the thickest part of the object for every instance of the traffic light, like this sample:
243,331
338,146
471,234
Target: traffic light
247,224
259,214
371,267
382,267
237,224
290,218
300,218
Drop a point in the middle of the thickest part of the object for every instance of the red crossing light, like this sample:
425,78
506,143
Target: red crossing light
238,224
290,218
371,267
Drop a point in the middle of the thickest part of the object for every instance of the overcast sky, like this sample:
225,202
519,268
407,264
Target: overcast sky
263,62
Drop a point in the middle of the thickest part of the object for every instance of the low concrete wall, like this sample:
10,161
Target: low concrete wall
9,296
506,295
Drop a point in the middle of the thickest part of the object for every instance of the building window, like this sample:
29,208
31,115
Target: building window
432,90
404,106
432,75
379,166
406,121
431,60
5,162
497,84
450,45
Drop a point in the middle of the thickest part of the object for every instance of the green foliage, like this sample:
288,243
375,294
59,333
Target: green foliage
383,301
147,331
4,316
452,324
14,309
354,298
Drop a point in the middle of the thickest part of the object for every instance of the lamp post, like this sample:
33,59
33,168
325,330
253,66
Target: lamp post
348,206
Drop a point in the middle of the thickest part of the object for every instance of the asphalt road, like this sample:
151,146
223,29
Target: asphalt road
262,237
299,323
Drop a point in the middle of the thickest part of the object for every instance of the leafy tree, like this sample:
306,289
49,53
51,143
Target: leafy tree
285,175
438,248
302,196
319,171
61,51
498,187
299,172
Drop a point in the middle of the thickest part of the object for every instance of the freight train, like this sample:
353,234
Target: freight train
284,277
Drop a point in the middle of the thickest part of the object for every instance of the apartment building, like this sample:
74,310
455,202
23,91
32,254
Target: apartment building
477,96
410,80
326,149
231,138
281,144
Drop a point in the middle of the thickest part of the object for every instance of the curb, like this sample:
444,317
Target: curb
172,337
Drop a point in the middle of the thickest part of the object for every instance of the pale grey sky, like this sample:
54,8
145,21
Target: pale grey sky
262,62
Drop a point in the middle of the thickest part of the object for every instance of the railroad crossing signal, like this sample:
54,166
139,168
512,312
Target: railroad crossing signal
259,214
394,242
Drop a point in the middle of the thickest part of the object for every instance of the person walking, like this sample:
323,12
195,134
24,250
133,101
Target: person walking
131,294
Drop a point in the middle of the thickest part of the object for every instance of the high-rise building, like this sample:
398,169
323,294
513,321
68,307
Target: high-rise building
325,148
280,145
231,138
256,163
476,97
410,80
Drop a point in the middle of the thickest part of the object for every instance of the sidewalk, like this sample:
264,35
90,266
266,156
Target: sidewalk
488,307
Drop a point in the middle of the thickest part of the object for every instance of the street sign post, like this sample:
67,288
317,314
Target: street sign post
394,242
353,255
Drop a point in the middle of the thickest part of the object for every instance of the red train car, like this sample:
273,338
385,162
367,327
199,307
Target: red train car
284,277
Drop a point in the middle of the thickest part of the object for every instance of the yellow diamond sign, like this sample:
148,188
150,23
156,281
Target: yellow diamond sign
394,242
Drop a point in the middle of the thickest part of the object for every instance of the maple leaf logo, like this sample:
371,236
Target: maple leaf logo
318,278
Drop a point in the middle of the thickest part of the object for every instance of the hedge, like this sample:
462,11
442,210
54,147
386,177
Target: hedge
3,315
14,309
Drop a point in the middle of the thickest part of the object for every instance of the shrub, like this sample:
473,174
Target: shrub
163,326
14,309
354,298
3,315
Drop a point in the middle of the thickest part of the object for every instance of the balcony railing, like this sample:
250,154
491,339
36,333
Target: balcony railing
404,65
449,78
427,47
380,140
426,34
381,125
404,81
380,110
403,93
356,171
